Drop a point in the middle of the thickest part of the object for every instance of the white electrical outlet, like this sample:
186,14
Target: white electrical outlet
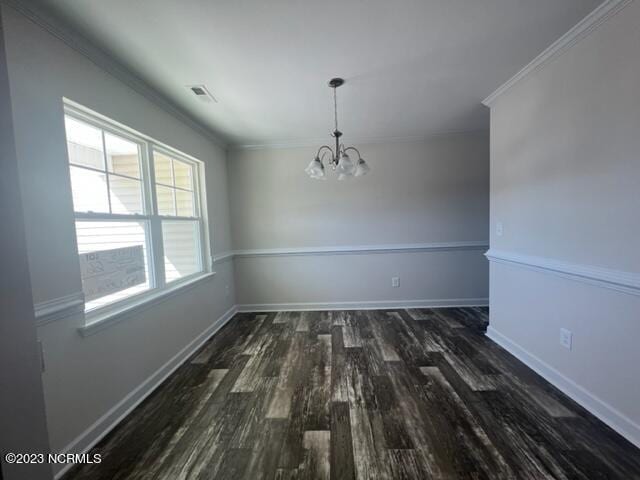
395,282
499,229
566,338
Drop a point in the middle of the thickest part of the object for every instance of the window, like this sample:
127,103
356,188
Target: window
137,204
181,226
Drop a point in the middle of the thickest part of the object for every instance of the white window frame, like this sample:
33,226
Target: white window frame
158,287
198,202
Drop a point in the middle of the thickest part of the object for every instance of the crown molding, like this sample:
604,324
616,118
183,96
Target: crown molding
109,64
583,29
625,282
316,142
39,16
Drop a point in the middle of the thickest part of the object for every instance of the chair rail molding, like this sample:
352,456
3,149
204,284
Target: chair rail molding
362,249
58,308
222,258
626,282
579,32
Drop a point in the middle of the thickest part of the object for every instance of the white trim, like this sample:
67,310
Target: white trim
101,427
58,308
365,305
98,120
222,258
316,142
605,412
114,67
148,147
583,29
362,249
110,65
108,316
626,282
97,323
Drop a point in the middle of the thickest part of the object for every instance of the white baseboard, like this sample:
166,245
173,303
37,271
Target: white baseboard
96,432
101,427
605,412
376,305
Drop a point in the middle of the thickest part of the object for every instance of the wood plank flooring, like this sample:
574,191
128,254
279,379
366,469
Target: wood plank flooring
397,394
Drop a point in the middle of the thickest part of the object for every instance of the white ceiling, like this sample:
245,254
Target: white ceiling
413,67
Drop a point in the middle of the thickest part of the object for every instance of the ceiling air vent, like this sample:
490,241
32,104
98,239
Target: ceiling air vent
201,92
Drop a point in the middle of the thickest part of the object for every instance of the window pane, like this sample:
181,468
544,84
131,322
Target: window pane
184,202
84,144
166,205
181,249
89,190
162,168
126,195
122,156
102,236
183,173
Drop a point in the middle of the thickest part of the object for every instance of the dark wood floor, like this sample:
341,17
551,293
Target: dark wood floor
368,394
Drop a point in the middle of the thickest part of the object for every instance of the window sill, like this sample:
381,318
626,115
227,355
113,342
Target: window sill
101,320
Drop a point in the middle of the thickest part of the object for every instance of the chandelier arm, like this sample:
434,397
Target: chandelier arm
323,147
324,154
354,149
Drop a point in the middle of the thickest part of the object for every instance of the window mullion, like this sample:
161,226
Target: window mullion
198,194
158,251
197,190
155,222
175,193
106,168
202,257
150,181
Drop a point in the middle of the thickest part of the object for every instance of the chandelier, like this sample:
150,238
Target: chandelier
339,159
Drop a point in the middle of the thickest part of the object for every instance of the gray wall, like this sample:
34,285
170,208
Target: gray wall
22,412
422,192
565,183
85,377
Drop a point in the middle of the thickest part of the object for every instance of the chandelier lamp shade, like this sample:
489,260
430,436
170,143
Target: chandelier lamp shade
338,159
